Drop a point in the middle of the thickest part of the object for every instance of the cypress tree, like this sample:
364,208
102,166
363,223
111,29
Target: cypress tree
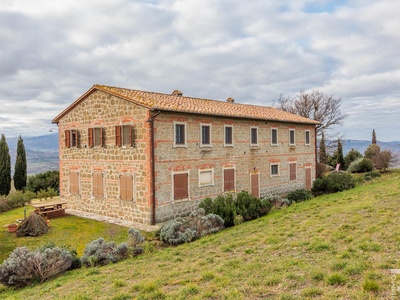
340,158
5,167
373,137
20,176
323,158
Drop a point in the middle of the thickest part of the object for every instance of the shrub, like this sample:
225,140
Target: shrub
223,206
99,252
44,180
365,165
332,183
135,237
24,266
371,175
361,165
178,231
351,156
209,224
277,200
248,206
299,195
265,207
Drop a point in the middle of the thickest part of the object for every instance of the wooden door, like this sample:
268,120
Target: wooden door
308,178
255,184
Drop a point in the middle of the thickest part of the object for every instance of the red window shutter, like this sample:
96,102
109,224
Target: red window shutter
229,180
130,135
129,188
255,190
122,187
98,185
77,139
101,137
74,182
308,178
292,170
90,137
67,138
118,136
181,190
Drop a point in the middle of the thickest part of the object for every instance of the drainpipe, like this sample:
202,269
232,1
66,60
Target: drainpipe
152,169
316,150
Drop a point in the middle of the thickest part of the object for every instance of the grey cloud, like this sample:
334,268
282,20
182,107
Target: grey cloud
251,51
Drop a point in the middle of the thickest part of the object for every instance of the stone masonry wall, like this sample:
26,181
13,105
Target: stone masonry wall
102,110
245,159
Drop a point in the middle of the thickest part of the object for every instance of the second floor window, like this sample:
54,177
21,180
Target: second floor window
274,136
291,137
180,135
307,137
228,136
253,136
71,138
205,135
123,135
95,137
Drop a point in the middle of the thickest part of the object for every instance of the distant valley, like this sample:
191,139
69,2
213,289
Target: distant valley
42,151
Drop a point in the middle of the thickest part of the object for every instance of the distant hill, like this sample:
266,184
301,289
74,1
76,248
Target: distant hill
42,151
362,145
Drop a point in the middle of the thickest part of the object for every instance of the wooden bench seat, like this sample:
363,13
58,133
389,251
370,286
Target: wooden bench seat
54,213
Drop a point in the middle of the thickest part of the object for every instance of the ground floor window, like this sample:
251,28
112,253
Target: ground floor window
74,182
126,187
229,180
98,185
180,186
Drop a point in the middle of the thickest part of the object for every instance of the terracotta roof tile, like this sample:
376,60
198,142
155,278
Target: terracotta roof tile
175,102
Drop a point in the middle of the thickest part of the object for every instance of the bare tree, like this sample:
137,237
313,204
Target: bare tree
314,105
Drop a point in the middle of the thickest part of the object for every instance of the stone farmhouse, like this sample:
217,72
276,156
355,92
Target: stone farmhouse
148,157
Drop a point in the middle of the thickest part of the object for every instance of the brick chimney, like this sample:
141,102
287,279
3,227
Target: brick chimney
177,93
230,100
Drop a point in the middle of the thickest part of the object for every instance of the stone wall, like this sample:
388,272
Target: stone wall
102,110
245,159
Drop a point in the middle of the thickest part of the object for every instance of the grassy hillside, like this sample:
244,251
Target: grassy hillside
338,246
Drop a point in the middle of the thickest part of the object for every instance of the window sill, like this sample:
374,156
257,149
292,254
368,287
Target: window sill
206,149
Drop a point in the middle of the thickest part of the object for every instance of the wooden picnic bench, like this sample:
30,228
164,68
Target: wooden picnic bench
50,209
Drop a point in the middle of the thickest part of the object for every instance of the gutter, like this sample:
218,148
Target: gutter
152,169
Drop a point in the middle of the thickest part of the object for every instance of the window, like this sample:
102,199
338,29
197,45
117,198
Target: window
95,137
126,187
206,177
228,135
179,134
274,136
253,136
181,186
123,135
307,137
291,138
71,138
74,182
274,170
292,171
229,180
205,135
98,185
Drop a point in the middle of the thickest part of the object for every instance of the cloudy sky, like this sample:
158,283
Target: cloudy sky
51,52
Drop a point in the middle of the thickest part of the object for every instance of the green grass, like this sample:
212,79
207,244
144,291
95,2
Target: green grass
338,246
69,231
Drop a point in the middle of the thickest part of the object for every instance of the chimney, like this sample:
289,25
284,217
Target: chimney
177,93
230,100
